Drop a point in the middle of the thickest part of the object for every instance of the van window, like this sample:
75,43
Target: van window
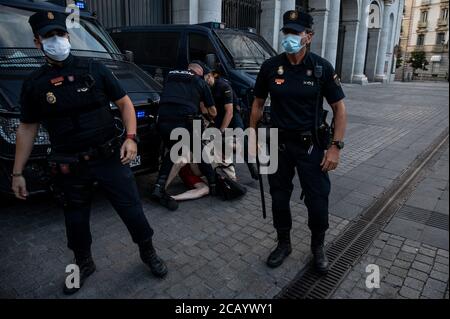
199,47
16,37
151,48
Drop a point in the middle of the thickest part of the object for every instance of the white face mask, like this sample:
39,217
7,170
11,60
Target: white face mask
56,48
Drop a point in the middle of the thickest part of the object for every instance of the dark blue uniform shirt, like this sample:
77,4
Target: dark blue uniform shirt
73,106
293,90
31,112
182,95
223,95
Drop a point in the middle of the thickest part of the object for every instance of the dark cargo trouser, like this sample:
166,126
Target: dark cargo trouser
120,187
314,182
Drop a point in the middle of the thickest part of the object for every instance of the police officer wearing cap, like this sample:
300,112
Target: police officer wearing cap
223,98
227,105
71,97
185,94
297,81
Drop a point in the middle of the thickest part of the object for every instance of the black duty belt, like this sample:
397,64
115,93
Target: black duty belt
173,118
303,139
102,151
300,135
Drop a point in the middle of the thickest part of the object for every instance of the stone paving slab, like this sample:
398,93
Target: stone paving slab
412,257
214,249
408,270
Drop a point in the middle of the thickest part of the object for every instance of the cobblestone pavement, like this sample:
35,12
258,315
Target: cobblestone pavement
412,252
217,249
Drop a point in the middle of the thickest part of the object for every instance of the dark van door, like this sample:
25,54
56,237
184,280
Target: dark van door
155,52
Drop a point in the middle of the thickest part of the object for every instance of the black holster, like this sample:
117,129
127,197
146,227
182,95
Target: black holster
324,132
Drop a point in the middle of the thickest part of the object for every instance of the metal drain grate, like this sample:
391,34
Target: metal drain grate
425,217
342,255
346,250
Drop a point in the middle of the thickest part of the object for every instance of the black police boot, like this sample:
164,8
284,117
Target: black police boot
212,184
84,261
212,189
253,171
283,250
160,196
320,259
151,259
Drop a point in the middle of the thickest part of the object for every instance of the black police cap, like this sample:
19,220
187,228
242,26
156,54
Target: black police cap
297,21
43,22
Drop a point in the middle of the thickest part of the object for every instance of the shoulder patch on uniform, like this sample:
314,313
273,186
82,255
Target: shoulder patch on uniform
280,70
337,80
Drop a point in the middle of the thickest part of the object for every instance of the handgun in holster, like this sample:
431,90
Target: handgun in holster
323,131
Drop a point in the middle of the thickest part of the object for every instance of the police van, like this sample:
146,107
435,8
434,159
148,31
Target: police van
19,57
236,54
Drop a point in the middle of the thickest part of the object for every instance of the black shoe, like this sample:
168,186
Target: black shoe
320,260
151,259
280,253
87,268
213,189
253,171
160,196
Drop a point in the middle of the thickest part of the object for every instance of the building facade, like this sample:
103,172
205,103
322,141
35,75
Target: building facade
425,29
358,37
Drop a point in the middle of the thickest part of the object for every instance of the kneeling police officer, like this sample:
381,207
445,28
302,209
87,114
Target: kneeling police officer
185,94
71,98
297,81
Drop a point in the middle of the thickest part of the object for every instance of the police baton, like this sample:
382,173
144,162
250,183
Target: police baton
261,183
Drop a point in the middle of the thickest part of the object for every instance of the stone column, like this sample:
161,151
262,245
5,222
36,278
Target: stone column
372,53
285,5
209,11
320,15
270,21
332,31
380,75
348,59
360,57
185,11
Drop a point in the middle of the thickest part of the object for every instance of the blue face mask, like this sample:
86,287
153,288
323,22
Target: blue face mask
292,43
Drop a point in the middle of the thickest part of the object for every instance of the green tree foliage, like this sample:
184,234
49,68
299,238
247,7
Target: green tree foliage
418,60
399,62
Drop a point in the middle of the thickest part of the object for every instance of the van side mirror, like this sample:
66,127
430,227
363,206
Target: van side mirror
211,61
129,55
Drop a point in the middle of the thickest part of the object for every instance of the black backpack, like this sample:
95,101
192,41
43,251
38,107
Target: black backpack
227,188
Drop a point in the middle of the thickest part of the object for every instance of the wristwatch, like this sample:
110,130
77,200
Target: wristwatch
133,137
339,144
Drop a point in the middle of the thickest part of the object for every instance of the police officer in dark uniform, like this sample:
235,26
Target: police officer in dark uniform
184,94
71,97
297,81
223,98
227,105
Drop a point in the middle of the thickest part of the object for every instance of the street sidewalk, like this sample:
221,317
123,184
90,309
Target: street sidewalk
218,249
412,251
